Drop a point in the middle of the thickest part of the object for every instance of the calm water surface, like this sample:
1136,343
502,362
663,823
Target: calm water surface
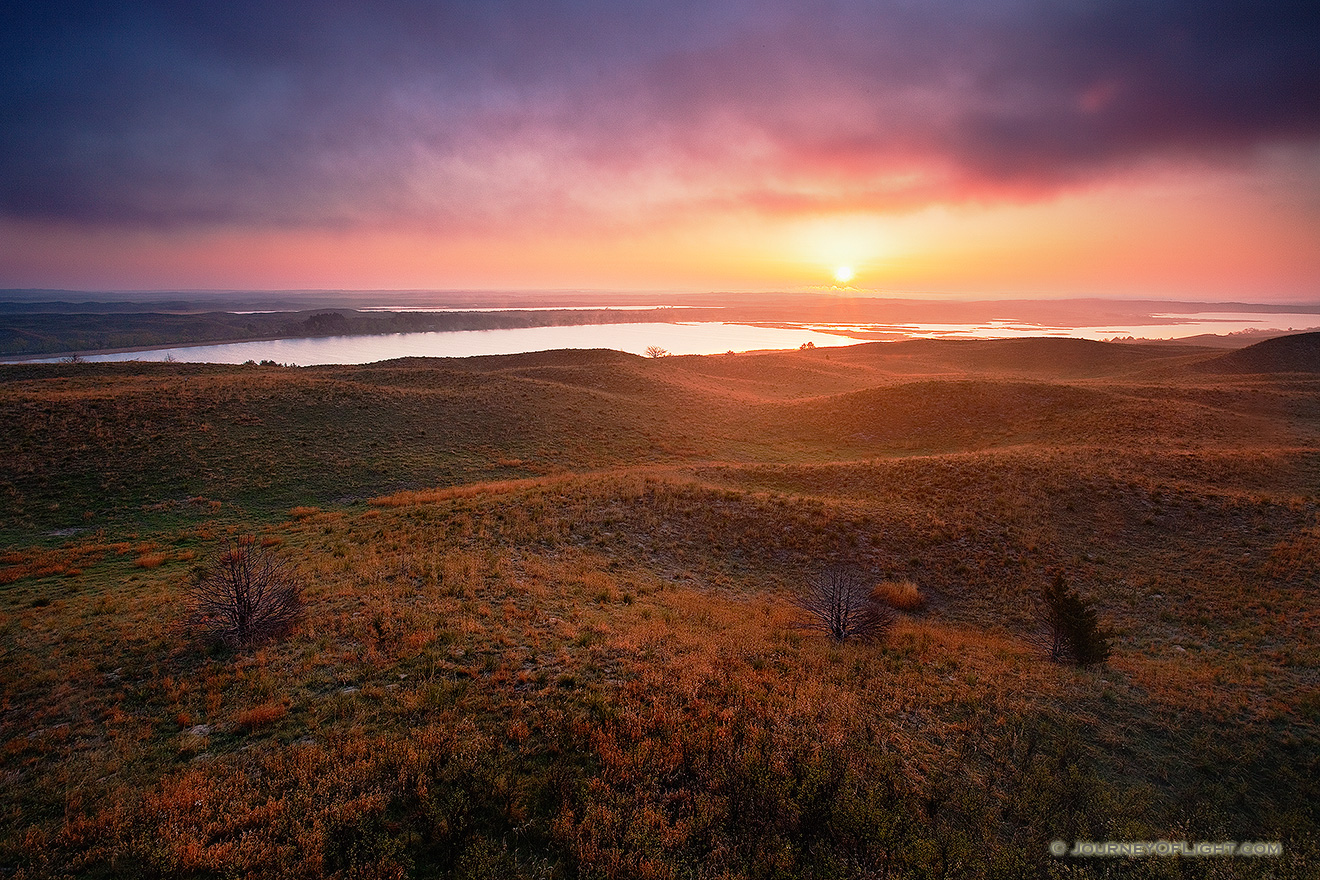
678,338
696,338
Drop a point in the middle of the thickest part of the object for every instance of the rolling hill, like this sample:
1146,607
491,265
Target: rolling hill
550,625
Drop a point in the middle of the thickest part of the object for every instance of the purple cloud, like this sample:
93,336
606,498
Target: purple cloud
455,113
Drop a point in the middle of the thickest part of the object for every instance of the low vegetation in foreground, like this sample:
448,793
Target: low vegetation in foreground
549,615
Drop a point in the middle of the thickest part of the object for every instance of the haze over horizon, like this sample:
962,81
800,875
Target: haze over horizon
1005,149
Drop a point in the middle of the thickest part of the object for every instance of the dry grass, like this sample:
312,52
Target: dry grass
596,672
257,717
901,595
461,646
151,560
36,562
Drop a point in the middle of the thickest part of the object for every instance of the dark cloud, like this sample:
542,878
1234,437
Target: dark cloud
1102,83
431,112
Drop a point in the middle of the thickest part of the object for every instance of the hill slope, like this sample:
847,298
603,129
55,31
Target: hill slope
550,626
1298,353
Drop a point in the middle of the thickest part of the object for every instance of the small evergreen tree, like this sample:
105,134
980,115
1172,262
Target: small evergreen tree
1074,634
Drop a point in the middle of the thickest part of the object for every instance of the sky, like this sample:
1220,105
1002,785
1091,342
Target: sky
944,147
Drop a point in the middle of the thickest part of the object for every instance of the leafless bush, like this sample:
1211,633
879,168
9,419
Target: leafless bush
840,605
248,595
655,351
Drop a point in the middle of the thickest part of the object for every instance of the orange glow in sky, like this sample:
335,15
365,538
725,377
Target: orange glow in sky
686,146
1192,234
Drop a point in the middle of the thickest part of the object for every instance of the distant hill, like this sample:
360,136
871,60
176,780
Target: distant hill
1298,353
1055,357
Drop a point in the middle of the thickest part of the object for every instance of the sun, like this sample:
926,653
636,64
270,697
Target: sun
844,274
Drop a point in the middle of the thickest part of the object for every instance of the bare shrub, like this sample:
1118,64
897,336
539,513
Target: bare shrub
901,595
1072,627
655,351
247,596
841,606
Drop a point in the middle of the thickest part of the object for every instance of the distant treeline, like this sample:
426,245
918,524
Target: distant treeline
59,333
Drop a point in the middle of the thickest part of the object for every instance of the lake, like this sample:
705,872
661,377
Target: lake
707,337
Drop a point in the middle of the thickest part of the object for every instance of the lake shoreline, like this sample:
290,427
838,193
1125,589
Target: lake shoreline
66,355
29,335
785,336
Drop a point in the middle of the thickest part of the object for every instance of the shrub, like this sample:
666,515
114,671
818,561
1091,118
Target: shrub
1073,632
655,351
248,595
902,595
151,560
840,605
260,716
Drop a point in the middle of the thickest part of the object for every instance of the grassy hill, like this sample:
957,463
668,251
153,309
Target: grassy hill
550,628
1298,353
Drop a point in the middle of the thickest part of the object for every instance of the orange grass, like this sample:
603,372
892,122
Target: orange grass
600,673
33,562
902,595
260,716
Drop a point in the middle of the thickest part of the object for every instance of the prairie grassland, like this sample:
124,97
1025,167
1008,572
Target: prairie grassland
549,629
